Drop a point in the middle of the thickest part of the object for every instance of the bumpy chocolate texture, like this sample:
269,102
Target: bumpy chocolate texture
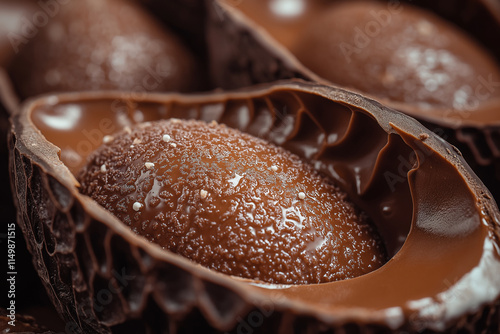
99,45
244,53
443,275
231,202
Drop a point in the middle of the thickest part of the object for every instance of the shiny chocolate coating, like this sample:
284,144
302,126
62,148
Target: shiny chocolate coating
398,52
232,202
100,45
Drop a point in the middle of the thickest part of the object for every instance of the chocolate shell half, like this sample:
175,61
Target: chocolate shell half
438,221
243,52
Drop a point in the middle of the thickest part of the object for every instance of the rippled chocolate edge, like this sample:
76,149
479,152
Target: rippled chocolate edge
103,277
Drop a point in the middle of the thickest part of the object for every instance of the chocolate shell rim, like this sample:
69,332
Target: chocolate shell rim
274,47
47,158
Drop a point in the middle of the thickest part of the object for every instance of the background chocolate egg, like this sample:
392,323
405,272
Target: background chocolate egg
232,202
98,45
400,53
14,27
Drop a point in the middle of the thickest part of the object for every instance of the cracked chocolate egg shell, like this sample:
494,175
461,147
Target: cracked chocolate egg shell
99,45
231,202
438,221
252,42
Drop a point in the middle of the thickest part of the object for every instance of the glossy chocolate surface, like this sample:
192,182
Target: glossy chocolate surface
445,252
96,45
231,202
401,53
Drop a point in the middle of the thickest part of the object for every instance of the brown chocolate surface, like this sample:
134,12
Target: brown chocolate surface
15,27
95,45
400,53
231,202
443,275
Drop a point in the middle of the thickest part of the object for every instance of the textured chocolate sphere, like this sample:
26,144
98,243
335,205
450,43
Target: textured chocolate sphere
231,202
398,52
99,45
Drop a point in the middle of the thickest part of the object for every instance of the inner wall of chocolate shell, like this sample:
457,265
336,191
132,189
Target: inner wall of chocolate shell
399,173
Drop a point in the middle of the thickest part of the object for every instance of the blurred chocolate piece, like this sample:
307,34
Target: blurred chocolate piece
404,54
231,202
16,27
399,173
103,45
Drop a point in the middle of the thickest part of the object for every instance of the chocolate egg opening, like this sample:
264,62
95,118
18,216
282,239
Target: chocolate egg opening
399,173
231,202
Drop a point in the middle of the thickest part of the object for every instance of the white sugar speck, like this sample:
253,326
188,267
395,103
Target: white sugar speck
173,145
136,141
236,180
107,139
274,168
175,120
137,206
203,194
149,165
103,168
302,195
166,138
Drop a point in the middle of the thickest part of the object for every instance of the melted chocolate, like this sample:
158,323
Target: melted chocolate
231,202
444,247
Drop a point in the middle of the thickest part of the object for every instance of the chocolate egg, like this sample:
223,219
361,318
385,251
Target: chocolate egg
406,54
232,202
99,45
104,277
